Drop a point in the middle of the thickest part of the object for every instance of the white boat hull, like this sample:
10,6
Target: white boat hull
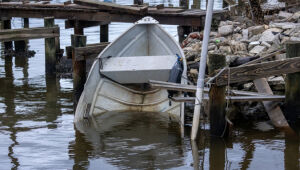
102,95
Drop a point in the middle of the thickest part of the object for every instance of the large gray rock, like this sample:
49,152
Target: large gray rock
284,15
225,30
267,36
258,49
255,38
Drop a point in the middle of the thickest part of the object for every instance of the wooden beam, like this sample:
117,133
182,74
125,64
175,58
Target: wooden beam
191,88
83,24
274,111
28,33
91,51
255,71
278,98
78,12
112,7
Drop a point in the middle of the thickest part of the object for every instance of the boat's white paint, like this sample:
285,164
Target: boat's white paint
101,95
138,69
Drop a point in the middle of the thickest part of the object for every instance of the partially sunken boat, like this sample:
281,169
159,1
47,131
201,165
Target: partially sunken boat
118,79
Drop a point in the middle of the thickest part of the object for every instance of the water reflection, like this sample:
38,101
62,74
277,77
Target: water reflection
132,141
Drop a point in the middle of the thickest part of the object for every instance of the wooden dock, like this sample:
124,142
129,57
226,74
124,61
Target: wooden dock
170,16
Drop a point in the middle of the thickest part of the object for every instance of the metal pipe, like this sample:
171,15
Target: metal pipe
202,67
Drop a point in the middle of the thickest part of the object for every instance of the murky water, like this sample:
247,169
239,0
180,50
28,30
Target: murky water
37,130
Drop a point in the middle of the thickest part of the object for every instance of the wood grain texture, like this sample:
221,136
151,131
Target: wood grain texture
90,51
28,33
79,68
169,16
234,99
255,71
217,102
292,87
112,7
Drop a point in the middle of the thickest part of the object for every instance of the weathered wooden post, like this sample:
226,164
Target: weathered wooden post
138,2
217,100
78,30
21,46
292,87
104,33
79,67
50,49
6,24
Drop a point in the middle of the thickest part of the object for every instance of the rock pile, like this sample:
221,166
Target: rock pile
242,41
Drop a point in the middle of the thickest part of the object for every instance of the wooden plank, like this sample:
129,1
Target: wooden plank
255,71
83,24
90,51
28,33
274,112
79,12
190,88
235,98
113,7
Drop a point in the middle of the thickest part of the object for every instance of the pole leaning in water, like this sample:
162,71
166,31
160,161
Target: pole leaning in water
202,67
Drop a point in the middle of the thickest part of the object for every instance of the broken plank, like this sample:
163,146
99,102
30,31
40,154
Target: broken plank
113,7
255,71
69,48
90,51
235,98
274,112
28,33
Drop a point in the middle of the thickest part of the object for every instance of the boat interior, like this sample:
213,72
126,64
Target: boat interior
143,53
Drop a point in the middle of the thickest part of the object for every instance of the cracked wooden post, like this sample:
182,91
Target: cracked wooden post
21,46
292,87
50,49
79,68
104,33
217,100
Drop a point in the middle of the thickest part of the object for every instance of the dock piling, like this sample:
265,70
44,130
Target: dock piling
104,33
21,46
217,102
6,24
292,89
50,49
79,68
78,30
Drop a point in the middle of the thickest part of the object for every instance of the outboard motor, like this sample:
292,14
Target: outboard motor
175,75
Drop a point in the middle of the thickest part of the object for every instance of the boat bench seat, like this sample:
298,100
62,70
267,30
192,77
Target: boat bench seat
138,69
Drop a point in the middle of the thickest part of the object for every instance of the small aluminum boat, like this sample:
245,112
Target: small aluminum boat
118,78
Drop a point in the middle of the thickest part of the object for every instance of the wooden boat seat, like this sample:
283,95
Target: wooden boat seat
138,69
